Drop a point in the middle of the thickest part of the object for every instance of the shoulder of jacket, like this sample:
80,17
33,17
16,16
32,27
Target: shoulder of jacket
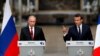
25,27
38,27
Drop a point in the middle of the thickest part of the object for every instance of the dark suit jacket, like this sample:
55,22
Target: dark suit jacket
25,34
73,33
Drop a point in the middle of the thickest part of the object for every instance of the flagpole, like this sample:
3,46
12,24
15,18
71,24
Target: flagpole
20,13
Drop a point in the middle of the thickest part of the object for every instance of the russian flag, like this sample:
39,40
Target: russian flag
8,36
96,51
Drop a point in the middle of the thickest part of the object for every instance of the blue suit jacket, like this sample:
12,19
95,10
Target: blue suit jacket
73,33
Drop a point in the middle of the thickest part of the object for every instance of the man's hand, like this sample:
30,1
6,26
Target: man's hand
64,30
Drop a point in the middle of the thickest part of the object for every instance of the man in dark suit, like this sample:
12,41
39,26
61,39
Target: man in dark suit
31,32
78,31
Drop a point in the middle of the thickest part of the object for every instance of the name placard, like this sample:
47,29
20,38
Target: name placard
79,43
31,43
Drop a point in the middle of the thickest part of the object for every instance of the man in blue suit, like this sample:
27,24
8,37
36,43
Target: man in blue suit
78,31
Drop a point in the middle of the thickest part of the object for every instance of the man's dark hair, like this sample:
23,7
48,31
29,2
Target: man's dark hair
78,15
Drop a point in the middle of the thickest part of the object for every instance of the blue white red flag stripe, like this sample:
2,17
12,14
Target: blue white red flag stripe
96,51
8,36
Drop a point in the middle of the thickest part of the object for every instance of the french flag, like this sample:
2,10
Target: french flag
96,51
8,36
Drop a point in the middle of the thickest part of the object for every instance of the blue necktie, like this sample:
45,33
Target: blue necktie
79,32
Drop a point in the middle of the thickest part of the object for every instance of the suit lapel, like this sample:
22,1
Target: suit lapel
34,32
28,32
76,31
83,30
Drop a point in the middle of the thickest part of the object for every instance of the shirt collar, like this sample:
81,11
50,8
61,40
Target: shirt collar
80,26
30,27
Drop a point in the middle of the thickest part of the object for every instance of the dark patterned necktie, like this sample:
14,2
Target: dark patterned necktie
31,32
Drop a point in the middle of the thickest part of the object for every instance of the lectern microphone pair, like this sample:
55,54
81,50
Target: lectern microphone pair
79,48
31,48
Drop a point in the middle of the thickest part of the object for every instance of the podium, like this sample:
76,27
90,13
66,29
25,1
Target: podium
31,48
79,48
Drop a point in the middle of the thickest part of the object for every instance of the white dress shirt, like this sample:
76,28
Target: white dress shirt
32,30
80,28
